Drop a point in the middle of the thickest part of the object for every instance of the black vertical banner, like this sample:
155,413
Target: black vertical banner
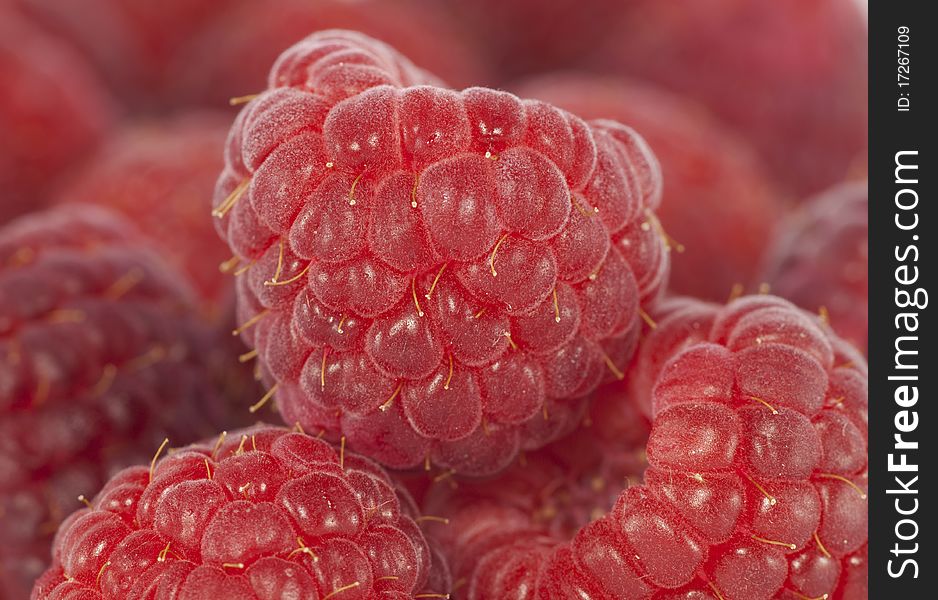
903,562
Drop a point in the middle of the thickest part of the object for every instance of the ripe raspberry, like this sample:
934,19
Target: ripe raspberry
711,178
52,112
232,57
798,92
756,485
132,43
100,359
161,174
423,279
259,514
819,259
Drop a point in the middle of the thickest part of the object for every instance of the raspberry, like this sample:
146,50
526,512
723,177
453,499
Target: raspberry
100,358
261,513
819,259
711,177
438,276
233,55
133,44
53,111
160,175
798,92
756,484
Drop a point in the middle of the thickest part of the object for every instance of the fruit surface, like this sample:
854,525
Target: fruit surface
791,76
256,514
718,204
52,112
820,260
100,358
161,174
437,276
756,484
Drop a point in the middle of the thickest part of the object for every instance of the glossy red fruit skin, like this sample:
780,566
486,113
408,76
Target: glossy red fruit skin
803,59
719,204
260,513
750,492
160,173
819,259
232,57
101,357
431,272
54,112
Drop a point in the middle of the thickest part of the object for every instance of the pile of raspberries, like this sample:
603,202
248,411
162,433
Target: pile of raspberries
460,344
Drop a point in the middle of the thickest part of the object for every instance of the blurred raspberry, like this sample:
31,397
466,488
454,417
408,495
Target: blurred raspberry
437,276
233,56
257,514
756,484
530,36
132,43
100,358
790,75
718,203
161,175
52,113
820,260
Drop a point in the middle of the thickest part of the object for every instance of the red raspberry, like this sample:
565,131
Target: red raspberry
100,358
233,56
132,43
819,259
435,275
52,112
756,485
789,75
161,174
711,177
259,514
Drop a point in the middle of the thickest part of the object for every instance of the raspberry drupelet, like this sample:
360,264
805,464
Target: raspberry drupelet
100,358
756,484
819,259
257,514
437,276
